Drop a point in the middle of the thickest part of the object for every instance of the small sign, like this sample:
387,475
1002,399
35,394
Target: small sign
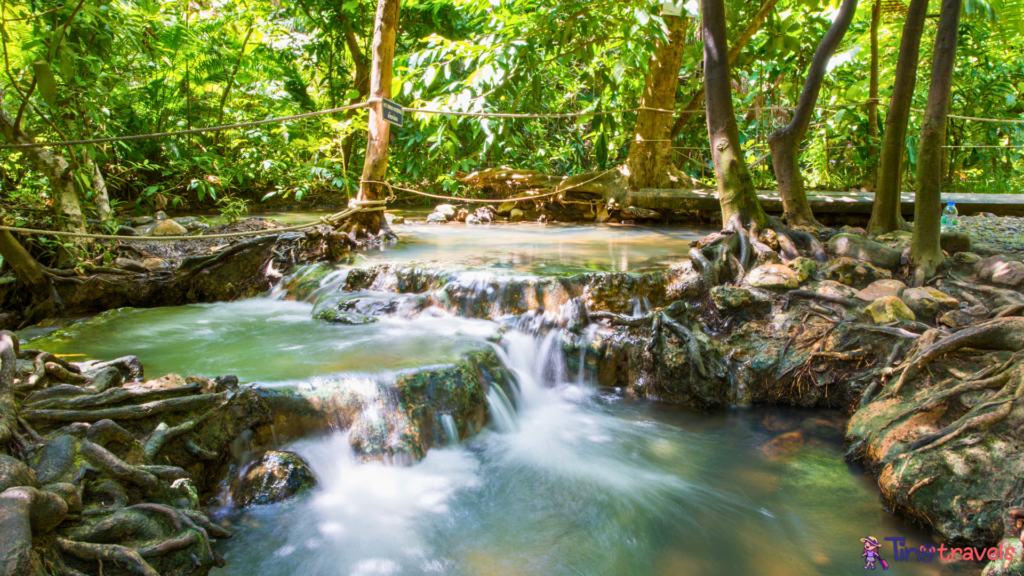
392,111
672,8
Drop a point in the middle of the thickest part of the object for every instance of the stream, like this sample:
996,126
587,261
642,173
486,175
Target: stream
578,480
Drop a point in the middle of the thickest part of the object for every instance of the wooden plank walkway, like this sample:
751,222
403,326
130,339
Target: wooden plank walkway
825,202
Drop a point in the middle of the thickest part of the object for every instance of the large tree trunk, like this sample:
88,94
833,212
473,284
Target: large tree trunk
925,250
56,170
871,170
45,301
885,212
650,154
735,188
784,143
690,109
375,165
361,84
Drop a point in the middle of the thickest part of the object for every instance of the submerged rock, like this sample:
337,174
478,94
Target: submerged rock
861,248
274,477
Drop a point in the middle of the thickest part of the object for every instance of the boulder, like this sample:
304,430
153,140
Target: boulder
833,288
141,220
774,277
889,309
461,215
472,219
921,302
853,272
167,227
516,215
999,270
156,264
874,253
14,472
945,301
126,231
129,265
506,207
733,298
273,477
436,218
955,242
881,288
484,214
446,210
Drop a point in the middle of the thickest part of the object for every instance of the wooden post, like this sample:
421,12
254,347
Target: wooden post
375,165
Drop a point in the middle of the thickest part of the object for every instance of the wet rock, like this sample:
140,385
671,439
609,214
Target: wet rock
881,288
889,309
105,379
226,382
774,277
505,207
274,477
999,270
461,215
637,212
14,472
484,214
167,228
921,302
472,220
733,298
833,288
156,264
126,231
393,219
784,445
344,317
446,210
955,242
141,220
436,218
1011,560
516,215
861,248
160,215
129,264
603,215
207,385
542,219
853,272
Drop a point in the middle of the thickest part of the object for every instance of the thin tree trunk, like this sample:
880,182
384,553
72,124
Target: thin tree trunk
735,188
361,84
231,81
101,197
690,109
56,170
885,212
925,249
375,165
650,153
871,170
785,142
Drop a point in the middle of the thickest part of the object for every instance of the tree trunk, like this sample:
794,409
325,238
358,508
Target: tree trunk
690,109
785,142
925,250
885,212
361,84
56,170
99,188
650,153
375,165
871,170
735,188
45,301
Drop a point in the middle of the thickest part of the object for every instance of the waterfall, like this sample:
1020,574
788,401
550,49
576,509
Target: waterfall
450,431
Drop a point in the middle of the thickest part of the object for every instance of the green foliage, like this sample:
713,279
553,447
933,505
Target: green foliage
233,209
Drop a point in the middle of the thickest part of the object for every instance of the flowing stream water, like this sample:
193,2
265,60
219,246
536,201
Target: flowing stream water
575,480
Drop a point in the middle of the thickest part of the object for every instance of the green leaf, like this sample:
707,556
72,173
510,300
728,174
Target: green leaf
45,80
643,16
428,75
617,71
601,151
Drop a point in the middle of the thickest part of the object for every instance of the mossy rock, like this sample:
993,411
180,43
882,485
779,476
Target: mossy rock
273,477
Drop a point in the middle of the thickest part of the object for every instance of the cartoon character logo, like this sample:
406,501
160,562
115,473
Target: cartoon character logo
870,554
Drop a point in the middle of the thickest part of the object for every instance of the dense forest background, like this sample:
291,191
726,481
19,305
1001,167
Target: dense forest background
91,69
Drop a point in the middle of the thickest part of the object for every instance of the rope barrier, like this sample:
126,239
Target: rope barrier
330,220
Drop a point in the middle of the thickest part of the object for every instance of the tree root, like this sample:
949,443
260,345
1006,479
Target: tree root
133,412
833,298
693,346
8,368
114,396
119,555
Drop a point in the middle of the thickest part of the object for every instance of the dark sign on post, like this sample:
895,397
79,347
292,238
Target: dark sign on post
392,112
